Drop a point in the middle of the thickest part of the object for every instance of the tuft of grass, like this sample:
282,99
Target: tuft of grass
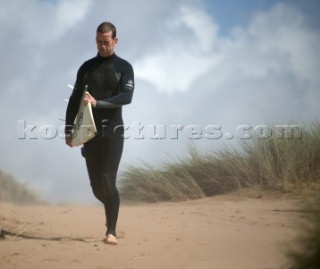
288,164
285,164
306,254
15,192
150,185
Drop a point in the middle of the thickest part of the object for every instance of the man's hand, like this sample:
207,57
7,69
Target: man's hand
88,98
68,140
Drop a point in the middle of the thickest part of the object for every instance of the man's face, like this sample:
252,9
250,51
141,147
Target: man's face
105,43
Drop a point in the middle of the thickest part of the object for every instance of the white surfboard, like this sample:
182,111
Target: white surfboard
84,125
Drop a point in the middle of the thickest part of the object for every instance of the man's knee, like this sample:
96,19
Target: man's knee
99,193
109,184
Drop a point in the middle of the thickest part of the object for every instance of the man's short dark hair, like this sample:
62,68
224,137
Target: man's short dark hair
106,27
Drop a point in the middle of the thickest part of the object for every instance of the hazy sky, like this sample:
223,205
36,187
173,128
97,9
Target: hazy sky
198,64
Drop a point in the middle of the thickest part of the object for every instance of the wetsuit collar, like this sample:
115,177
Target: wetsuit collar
105,58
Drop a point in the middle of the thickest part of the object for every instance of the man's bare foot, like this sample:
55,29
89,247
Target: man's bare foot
111,240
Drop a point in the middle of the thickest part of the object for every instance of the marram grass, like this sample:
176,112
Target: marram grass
282,164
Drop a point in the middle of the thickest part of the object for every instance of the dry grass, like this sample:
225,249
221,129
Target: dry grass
305,252
287,164
15,192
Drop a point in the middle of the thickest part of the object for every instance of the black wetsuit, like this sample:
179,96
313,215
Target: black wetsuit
110,81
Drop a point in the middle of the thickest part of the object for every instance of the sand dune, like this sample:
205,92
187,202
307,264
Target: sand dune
224,232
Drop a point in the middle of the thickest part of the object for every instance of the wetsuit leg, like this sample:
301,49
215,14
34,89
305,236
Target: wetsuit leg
112,152
103,155
92,154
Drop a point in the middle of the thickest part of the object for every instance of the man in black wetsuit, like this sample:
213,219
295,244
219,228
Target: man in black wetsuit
110,83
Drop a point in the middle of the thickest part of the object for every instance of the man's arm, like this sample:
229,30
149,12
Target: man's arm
125,94
73,106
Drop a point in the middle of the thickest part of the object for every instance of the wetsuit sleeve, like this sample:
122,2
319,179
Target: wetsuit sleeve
125,92
74,102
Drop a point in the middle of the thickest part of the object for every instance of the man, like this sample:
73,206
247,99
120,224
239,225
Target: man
110,83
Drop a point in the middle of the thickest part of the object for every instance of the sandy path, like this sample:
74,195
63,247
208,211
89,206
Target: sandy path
225,232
